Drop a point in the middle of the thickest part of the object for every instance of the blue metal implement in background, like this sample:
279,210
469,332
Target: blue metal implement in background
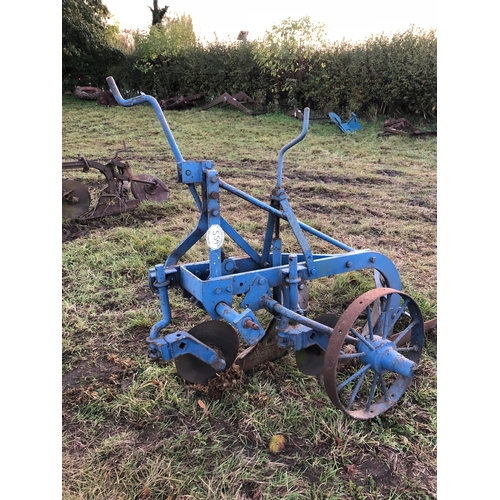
350,126
367,357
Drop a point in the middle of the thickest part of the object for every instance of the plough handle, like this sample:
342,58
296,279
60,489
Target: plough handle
143,98
305,127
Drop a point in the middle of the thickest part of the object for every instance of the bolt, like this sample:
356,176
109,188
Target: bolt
348,263
250,324
218,290
188,172
372,259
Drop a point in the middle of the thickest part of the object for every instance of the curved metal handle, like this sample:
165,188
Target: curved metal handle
143,98
305,127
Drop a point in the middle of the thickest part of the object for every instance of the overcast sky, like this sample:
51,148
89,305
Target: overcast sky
355,20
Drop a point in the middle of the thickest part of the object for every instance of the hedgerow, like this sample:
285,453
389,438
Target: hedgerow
383,75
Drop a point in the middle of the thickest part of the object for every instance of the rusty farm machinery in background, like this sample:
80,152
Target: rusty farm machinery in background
368,356
349,126
240,101
122,191
401,126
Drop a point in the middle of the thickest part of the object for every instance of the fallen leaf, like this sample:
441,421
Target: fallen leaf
277,443
202,405
339,441
351,469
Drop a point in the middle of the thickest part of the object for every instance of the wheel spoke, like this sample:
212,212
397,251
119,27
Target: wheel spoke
352,377
372,392
389,325
405,331
385,328
384,389
356,390
369,322
344,357
361,338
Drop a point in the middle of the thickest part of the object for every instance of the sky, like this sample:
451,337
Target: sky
355,20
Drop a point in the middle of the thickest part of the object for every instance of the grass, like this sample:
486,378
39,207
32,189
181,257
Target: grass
135,430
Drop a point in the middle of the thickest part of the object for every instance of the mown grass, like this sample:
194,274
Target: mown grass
133,429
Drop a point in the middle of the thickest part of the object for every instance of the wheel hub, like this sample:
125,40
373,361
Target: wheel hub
383,356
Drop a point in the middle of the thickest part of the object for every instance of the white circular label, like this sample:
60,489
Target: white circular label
215,237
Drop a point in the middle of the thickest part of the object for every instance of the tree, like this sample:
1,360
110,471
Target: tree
86,47
180,31
286,53
163,42
158,13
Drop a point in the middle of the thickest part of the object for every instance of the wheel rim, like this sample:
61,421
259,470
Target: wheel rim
159,192
372,355
310,360
217,335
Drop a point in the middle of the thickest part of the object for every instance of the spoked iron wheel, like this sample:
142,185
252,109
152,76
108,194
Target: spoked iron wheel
219,336
157,191
373,352
310,360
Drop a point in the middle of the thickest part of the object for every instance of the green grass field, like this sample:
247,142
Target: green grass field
132,429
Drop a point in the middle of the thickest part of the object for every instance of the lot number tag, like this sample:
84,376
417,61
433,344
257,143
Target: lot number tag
215,237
